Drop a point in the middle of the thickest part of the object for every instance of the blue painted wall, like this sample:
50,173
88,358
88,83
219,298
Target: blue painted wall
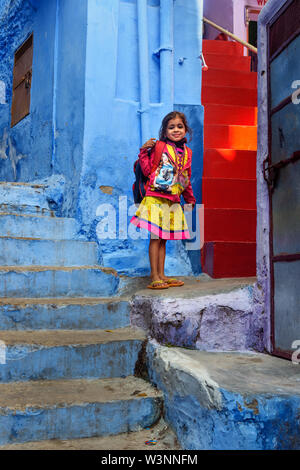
49,140
87,108
27,147
69,96
113,132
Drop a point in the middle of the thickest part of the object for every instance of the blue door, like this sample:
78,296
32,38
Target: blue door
282,171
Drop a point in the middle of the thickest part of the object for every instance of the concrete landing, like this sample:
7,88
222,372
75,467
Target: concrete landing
204,314
200,285
228,401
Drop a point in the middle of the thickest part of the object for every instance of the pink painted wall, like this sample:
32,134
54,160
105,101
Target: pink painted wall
220,12
230,14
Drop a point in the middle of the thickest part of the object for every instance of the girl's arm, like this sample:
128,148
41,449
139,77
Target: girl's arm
146,161
188,194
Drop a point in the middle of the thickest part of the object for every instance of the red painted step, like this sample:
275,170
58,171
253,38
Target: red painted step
232,137
230,225
229,95
228,62
228,193
230,114
229,259
238,79
222,47
228,163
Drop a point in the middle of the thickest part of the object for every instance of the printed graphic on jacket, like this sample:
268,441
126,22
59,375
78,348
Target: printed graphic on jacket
167,179
165,175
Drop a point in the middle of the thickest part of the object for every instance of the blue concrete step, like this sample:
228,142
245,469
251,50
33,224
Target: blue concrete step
226,400
64,313
28,251
37,226
160,431
53,281
29,198
65,354
71,409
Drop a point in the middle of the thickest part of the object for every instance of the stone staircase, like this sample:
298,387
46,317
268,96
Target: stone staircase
71,365
75,373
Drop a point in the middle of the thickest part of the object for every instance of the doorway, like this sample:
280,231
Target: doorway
251,17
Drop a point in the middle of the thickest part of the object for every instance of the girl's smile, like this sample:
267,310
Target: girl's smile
175,130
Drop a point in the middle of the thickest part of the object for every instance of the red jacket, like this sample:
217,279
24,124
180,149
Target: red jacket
186,191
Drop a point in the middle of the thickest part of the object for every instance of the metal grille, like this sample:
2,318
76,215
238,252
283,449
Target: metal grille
285,28
22,81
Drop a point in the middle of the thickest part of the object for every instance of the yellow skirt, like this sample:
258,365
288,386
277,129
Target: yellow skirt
161,217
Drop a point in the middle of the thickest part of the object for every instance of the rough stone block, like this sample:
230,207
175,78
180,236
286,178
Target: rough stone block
222,321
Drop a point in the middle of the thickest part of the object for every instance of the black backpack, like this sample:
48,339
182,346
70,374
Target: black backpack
139,187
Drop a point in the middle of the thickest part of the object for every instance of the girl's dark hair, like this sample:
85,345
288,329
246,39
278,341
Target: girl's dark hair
167,118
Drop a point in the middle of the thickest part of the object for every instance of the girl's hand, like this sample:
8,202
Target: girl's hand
189,207
149,144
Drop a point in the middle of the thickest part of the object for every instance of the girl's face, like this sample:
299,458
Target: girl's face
175,129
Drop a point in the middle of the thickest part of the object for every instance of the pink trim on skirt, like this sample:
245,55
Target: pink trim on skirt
165,235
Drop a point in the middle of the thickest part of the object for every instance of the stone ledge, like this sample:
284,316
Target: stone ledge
211,315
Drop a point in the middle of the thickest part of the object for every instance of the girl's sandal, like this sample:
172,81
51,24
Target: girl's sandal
158,285
174,282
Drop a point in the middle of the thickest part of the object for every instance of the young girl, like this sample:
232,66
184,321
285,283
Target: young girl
160,211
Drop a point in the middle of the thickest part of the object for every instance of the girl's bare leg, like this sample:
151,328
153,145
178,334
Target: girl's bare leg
161,265
153,257
161,259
